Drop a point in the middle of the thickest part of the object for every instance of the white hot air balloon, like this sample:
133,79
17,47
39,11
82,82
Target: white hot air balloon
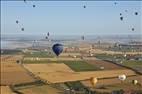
125,55
74,56
91,54
122,77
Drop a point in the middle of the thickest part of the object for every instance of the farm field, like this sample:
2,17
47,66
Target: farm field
75,65
30,59
10,58
132,63
106,65
12,73
59,76
113,81
42,54
40,89
5,90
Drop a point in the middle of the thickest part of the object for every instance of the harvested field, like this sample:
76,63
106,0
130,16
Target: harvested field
61,75
105,64
12,73
5,90
47,68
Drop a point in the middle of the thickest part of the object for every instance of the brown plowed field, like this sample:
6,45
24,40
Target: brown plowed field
105,64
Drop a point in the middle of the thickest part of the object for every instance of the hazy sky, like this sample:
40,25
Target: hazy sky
70,18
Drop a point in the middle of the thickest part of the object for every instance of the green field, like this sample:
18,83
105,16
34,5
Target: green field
39,89
36,62
132,63
80,66
109,57
39,54
11,52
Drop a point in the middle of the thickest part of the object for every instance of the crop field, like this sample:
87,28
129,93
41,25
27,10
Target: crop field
55,59
74,65
112,81
47,68
57,73
136,65
5,90
12,73
79,66
40,89
133,63
10,58
10,52
39,54
106,65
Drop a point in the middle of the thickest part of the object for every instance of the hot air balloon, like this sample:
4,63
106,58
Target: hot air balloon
125,55
84,6
136,13
82,38
24,1
135,82
22,29
133,29
94,81
48,34
126,10
57,48
115,3
46,37
121,18
33,5
122,77
17,21
120,13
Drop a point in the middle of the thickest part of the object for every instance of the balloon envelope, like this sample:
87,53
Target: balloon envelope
122,77
57,48
22,29
17,21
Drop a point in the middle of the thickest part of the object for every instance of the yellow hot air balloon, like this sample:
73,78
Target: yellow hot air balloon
94,81
135,82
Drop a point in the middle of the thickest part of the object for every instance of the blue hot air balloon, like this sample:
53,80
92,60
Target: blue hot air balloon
57,48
